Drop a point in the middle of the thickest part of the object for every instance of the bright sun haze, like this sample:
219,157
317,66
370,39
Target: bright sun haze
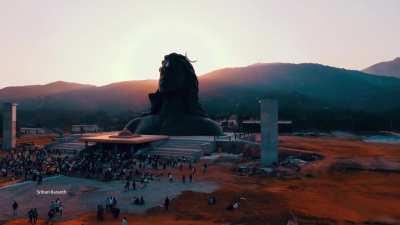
100,42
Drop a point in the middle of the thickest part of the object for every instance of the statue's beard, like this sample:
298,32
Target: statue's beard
171,80
155,102
189,105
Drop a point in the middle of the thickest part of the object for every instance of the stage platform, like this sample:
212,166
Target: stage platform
113,138
190,147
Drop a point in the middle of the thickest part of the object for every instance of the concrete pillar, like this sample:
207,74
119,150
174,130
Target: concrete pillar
269,132
9,125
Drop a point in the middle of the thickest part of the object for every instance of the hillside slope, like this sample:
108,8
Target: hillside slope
307,93
388,68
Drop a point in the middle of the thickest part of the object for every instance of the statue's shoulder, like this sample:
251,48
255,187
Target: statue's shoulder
186,125
207,126
132,124
143,124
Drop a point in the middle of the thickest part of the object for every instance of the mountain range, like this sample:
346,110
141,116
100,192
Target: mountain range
388,68
302,89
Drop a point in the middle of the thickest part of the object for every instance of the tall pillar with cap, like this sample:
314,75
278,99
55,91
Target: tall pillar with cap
9,125
269,132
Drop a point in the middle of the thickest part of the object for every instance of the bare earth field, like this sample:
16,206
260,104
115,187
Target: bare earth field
355,183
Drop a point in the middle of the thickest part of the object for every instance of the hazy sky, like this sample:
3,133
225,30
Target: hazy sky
99,42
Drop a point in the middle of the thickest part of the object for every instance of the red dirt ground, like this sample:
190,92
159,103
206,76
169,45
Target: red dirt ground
321,194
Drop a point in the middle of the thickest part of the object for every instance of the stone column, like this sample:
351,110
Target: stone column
269,132
9,125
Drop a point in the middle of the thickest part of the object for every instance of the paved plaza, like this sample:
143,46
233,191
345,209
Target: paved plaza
83,195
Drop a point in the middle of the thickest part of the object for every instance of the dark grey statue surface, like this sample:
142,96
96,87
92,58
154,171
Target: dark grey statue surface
175,107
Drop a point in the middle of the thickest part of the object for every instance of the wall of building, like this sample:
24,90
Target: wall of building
92,128
247,148
32,131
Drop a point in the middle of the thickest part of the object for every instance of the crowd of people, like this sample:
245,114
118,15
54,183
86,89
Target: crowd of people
103,164
28,163
55,207
34,164
112,164
33,216
111,206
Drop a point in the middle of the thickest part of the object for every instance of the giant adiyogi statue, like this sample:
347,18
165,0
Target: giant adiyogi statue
175,107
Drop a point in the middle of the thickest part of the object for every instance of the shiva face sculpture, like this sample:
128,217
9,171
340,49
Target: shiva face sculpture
175,107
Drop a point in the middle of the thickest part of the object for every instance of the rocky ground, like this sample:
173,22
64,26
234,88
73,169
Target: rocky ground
355,183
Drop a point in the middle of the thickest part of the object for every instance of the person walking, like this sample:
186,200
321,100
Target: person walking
50,216
40,179
127,185
166,203
100,212
60,210
205,166
15,208
170,178
30,216
194,170
35,215
134,185
141,200
124,221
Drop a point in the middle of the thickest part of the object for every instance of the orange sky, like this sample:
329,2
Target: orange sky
102,41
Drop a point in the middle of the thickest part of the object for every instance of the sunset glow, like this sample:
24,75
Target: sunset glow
100,42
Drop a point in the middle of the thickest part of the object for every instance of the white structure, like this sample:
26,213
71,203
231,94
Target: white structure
269,132
69,148
85,128
9,125
32,131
